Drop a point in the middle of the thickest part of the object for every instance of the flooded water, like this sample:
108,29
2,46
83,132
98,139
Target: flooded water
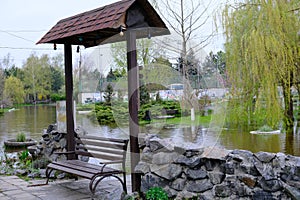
32,120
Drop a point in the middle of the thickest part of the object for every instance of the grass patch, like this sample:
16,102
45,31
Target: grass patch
184,120
85,107
21,137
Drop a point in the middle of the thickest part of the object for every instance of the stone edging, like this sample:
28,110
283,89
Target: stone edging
211,173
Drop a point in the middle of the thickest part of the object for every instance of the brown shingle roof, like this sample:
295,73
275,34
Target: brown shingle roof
93,27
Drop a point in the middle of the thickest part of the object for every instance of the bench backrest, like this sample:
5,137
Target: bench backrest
109,149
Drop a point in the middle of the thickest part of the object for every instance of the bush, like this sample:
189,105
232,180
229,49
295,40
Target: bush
156,193
106,114
265,128
57,97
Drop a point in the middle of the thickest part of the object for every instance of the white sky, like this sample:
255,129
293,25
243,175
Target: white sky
23,23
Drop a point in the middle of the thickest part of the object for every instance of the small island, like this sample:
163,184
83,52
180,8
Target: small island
265,130
20,141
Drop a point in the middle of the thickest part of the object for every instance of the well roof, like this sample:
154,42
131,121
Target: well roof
95,26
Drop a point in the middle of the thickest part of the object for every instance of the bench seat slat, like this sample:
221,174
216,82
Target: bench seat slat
98,155
108,150
95,167
99,149
71,170
86,169
101,144
122,141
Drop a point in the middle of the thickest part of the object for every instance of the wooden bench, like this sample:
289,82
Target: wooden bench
107,150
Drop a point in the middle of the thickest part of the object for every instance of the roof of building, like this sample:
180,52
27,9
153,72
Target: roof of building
94,27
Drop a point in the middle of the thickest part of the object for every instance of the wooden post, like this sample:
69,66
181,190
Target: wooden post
133,92
69,100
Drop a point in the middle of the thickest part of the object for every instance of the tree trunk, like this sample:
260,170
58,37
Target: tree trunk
288,108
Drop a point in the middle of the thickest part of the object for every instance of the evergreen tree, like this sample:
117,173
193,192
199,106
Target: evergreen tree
108,95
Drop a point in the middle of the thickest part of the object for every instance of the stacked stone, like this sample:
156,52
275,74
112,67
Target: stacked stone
52,142
187,171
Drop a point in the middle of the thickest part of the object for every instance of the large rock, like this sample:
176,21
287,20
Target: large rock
215,153
229,168
196,174
263,195
293,192
199,185
178,184
271,185
169,171
266,170
162,158
222,190
147,155
241,154
211,164
171,192
63,142
264,156
142,168
190,162
156,144
186,195
151,180
216,177
248,167
249,180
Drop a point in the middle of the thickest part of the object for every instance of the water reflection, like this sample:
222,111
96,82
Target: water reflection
30,120
33,119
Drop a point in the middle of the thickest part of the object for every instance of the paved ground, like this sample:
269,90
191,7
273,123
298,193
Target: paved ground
12,187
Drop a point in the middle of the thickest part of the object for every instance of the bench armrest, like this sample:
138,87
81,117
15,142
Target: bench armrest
67,152
111,162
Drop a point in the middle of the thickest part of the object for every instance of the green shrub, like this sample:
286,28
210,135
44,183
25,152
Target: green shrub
108,115
21,137
23,155
156,193
57,97
265,128
156,108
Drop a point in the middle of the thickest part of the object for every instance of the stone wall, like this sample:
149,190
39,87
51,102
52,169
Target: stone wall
186,171
53,141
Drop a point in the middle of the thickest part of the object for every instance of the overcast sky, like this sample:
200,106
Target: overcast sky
23,23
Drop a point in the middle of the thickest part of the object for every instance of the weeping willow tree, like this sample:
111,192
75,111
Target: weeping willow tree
262,50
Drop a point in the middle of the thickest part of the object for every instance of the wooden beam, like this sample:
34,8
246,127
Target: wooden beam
69,100
133,92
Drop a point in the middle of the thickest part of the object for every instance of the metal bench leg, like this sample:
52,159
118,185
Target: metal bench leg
94,184
124,183
48,172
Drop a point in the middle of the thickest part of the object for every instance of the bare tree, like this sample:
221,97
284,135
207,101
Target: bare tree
188,21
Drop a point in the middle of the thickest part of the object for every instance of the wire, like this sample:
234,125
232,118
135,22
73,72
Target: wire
25,48
17,36
23,31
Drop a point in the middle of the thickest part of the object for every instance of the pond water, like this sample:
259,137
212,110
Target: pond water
32,120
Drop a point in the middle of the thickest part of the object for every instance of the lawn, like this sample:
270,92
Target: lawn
184,120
